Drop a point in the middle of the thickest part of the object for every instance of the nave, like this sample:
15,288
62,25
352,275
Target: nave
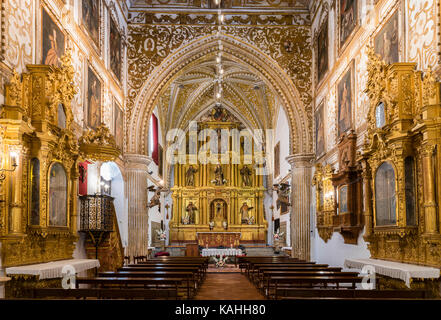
256,278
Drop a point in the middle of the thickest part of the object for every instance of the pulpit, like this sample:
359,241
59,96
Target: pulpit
216,239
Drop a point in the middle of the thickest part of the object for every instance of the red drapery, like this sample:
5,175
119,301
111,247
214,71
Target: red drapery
155,154
82,183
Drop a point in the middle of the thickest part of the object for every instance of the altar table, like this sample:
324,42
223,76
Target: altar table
212,252
402,271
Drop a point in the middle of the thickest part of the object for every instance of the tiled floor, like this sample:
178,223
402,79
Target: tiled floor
227,286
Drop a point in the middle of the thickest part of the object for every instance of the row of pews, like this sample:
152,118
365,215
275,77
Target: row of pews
158,278
285,278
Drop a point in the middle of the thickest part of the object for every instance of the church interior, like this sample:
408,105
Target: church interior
157,149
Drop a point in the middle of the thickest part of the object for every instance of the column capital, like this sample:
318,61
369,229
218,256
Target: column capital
301,160
135,161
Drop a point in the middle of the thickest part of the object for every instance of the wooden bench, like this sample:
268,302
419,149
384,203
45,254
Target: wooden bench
294,293
188,277
265,284
150,294
133,283
311,281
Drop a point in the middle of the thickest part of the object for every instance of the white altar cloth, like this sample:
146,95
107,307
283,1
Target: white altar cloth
212,252
403,271
51,270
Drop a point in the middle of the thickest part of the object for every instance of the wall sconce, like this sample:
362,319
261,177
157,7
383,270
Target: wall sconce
14,165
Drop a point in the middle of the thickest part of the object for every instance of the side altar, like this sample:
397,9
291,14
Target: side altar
219,197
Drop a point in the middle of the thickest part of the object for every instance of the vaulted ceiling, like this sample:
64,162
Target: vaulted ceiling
194,92
245,5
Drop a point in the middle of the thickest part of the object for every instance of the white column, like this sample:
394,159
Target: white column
301,181
138,218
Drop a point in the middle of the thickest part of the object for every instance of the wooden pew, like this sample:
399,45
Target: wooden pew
265,284
197,269
151,294
253,267
311,281
191,281
296,293
121,282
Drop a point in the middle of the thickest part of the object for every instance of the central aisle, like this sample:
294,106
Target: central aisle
227,286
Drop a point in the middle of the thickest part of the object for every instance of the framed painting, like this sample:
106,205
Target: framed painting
90,10
93,100
386,42
319,131
57,195
277,160
348,19
343,200
115,48
345,102
322,51
118,125
53,40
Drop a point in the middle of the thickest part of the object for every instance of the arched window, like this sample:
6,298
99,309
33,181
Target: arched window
380,118
35,192
409,176
385,199
57,195
61,117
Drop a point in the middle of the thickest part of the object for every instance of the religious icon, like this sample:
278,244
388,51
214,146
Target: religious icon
118,124
191,208
319,132
246,173
189,176
94,100
386,41
115,50
343,199
244,213
344,122
57,195
348,19
219,176
53,41
91,18
322,51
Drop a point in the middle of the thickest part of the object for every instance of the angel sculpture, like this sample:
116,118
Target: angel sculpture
283,191
155,199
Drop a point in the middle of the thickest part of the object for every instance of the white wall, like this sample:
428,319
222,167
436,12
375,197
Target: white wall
281,135
335,251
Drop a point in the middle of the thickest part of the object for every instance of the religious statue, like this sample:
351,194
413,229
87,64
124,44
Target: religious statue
282,202
191,208
219,176
244,212
189,176
155,199
246,172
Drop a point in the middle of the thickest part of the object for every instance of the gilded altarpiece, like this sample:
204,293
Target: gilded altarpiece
37,124
218,197
401,160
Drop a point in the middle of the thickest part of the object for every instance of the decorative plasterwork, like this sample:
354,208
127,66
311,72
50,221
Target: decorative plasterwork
158,54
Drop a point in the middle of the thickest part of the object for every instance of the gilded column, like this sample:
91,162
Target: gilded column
16,204
136,189
367,194
430,206
301,181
